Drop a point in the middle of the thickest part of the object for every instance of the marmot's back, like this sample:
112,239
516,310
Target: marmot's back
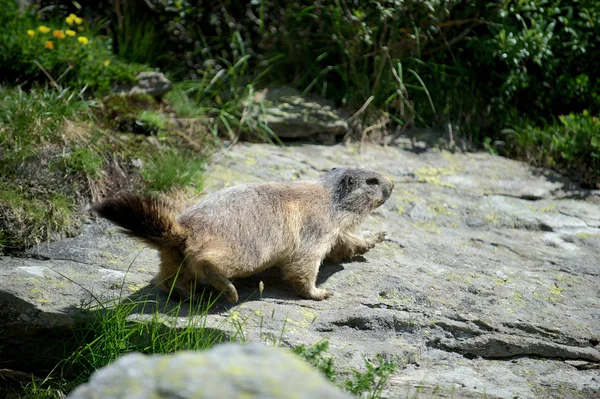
261,222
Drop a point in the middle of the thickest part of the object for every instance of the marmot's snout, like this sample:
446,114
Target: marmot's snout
387,186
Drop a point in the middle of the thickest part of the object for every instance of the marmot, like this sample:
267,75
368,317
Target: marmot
245,229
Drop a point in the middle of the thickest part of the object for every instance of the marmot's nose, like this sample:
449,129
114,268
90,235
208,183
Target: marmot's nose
387,187
390,183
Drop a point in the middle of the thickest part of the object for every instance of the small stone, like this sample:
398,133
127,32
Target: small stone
155,84
292,115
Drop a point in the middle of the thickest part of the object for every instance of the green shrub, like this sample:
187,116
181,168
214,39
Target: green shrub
539,56
571,146
476,66
64,53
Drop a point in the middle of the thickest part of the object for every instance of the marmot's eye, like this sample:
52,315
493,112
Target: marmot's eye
373,181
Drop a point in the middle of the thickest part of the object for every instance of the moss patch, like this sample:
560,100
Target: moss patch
27,218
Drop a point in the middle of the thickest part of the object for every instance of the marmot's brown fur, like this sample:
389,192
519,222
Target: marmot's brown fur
242,230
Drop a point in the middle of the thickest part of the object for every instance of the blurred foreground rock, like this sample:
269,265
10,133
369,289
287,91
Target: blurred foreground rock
226,371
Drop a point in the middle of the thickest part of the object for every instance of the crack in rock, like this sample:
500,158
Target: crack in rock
576,217
501,346
526,197
499,245
385,322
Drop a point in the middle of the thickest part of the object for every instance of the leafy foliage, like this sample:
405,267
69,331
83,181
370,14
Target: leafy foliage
571,146
364,384
478,67
65,53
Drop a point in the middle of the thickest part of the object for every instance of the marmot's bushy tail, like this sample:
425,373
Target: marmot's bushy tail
149,219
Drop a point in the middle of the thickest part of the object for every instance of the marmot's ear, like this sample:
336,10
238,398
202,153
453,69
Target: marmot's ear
348,181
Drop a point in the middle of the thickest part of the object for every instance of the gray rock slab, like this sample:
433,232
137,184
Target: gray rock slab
42,291
488,282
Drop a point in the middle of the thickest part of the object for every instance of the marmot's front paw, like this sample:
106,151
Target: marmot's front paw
380,237
374,240
318,294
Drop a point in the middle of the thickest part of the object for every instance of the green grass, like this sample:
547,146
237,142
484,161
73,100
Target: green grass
363,384
108,330
173,169
105,331
30,217
41,163
81,160
139,39
153,121
30,120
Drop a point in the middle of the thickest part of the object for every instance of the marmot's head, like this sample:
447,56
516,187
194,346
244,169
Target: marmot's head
358,190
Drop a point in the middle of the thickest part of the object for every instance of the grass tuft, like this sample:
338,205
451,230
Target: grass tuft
106,331
27,218
363,384
173,169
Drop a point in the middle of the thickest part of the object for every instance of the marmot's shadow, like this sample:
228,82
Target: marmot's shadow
150,300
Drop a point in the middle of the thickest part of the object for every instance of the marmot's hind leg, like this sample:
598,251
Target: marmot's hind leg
302,275
222,284
350,245
174,285
172,277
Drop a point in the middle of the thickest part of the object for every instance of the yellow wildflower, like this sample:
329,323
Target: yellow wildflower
83,40
106,63
49,45
31,32
44,29
59,34
74,19
71,19
70,32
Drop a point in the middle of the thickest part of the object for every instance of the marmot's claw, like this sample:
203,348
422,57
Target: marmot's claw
231,295
381,236
319,294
